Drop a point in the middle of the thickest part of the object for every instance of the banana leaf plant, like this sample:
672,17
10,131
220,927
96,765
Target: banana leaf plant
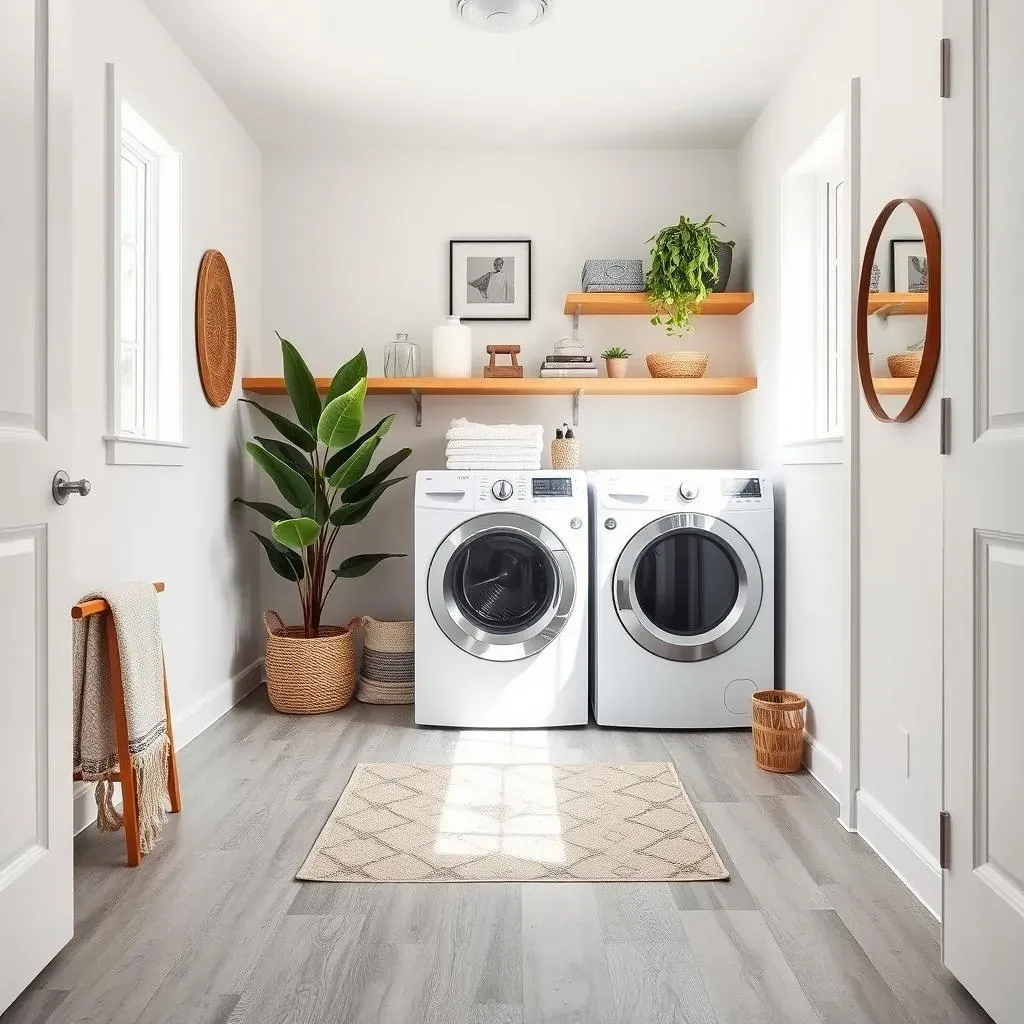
321,467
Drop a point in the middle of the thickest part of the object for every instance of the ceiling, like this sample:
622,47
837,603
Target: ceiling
341,74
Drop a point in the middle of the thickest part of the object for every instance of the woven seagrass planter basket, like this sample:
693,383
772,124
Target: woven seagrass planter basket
309,676
388,672
778,730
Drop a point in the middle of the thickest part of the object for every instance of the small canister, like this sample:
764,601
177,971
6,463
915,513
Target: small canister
565,449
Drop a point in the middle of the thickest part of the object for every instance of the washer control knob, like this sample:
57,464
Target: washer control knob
502,490
688,490
576,523
610,524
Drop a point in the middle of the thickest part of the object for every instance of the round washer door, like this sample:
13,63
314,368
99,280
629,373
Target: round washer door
688,587
501,587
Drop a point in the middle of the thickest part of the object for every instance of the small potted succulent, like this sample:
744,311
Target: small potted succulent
616,361
688,260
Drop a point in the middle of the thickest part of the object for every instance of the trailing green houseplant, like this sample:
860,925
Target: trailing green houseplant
684,268
321,469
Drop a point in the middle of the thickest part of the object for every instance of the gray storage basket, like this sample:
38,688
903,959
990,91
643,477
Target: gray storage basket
613,276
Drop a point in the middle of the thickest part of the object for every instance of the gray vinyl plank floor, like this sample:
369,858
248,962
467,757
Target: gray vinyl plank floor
213,928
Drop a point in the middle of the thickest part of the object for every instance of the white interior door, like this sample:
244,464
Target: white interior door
983,890
36,917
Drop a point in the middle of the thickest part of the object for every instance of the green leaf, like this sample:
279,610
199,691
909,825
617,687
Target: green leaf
296,534
290,454
284,426
384,469
359,565
353,469
289,482
284,563
272,512
339,458
301,386
341,420
357,511
347,377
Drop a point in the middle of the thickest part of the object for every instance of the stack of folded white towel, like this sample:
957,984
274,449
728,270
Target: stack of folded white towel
497,446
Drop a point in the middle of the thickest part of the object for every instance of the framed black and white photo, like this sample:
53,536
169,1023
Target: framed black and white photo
491,280
909,265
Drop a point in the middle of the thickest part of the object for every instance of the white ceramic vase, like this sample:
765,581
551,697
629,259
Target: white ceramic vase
453,349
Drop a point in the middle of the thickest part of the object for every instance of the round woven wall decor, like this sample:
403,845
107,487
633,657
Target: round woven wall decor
216,328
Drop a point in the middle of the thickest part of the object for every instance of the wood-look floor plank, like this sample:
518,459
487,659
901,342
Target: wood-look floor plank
658,982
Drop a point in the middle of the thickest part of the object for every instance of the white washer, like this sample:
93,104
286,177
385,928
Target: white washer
682,608
502,574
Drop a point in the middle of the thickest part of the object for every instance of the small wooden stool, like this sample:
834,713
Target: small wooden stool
494,370
125,776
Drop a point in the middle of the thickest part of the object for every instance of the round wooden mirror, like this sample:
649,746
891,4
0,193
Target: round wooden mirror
899,329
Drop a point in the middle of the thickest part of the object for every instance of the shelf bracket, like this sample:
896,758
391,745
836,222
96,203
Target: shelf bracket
417,397
576,396
576,325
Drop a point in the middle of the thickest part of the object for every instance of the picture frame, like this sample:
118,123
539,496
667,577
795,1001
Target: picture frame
491,279
909,265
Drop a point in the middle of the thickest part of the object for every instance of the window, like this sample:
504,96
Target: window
146,392
815,291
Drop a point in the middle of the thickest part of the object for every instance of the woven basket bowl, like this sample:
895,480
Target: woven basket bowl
778,730
309,676
383,637
905,364
565,453
678,364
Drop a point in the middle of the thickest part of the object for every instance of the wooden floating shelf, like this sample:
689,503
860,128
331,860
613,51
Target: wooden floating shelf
527,385
886,304
894,385
639,304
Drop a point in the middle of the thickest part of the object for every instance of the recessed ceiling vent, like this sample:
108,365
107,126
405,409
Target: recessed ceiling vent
501,15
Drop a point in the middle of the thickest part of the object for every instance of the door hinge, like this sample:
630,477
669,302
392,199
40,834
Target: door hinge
945,47
944,822
945,425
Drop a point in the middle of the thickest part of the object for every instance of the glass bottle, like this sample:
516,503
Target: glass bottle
402,357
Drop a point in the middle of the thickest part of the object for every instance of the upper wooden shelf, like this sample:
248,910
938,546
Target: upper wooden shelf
639,304
894,385
527,385
886,304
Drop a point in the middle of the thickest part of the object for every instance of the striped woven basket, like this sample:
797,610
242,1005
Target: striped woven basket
388,670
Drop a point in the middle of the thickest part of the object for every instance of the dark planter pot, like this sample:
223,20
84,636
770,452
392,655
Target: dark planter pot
724,270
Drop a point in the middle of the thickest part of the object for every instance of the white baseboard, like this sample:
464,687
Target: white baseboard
823,765
187,726
905,854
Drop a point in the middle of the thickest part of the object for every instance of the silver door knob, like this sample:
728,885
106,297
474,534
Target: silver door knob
63,487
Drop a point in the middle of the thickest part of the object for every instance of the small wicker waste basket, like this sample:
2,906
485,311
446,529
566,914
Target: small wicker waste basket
778,730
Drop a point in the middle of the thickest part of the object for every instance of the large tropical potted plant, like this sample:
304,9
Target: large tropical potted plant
688,260
321,466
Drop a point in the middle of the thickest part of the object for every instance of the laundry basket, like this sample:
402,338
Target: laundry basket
388,671
778,730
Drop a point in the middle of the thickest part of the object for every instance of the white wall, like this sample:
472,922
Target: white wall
900,470
357,249
174,524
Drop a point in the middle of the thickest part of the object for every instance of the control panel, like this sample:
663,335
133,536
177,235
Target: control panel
518,488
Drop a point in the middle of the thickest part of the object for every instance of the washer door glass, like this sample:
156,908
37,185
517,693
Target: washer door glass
503,582
501,586
688,587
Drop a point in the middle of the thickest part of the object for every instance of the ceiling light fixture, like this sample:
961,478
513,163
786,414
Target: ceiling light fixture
500,15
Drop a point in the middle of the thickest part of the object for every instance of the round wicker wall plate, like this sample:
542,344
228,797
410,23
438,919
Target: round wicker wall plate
216,328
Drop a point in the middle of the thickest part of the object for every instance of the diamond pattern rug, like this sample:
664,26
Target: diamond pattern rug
513,822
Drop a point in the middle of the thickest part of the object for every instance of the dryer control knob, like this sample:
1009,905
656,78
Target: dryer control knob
688,490
502,490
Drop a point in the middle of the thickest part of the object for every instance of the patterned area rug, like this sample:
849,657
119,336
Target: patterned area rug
518,822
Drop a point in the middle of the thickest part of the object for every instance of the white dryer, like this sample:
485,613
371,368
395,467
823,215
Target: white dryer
502,576
682,604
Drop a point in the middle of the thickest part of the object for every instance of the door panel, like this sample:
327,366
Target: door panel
983,656
36,914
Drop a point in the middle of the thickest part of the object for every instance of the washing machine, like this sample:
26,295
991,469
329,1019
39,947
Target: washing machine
502,577
682,603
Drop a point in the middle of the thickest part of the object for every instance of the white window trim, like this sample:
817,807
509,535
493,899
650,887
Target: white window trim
125,449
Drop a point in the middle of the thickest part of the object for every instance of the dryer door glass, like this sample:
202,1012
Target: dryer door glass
687,582
501,586
688,587
503,582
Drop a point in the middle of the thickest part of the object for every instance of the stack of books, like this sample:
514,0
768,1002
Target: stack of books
568,361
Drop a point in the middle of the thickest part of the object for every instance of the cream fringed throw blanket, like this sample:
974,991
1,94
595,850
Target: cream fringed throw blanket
137,621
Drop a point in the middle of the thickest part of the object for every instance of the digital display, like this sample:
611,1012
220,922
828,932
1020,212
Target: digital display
552,487
747,487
